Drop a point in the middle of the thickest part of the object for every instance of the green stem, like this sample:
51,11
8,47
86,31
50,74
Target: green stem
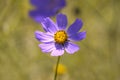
55,76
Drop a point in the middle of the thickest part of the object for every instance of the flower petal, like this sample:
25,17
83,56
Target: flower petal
58,51
78,36
43,37
50,4
49,25
47,47
46,8
61,21
39,3
75,27
41,12
71,48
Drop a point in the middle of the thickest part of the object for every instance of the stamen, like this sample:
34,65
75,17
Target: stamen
60,37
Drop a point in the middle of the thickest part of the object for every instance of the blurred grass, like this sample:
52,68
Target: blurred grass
98,59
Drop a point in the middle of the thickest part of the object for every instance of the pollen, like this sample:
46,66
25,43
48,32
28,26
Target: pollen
60,37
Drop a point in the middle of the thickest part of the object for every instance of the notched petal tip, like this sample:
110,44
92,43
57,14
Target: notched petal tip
78,36
43,37
84,34
57,52
49,25
38,35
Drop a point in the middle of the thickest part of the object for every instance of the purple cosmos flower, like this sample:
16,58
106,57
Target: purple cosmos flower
56,39
46,8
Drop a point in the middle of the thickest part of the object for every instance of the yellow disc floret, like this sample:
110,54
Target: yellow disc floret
60,37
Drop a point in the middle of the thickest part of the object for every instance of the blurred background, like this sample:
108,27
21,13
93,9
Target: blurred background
98,59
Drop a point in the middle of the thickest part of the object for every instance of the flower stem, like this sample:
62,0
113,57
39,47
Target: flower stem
55,76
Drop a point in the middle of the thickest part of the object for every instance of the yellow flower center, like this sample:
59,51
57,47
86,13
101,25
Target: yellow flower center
60,37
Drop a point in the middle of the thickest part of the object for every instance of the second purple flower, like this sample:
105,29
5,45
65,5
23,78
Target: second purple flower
46,8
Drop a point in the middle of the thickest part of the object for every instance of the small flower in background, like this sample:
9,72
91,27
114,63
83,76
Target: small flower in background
61,69
46,8
57,38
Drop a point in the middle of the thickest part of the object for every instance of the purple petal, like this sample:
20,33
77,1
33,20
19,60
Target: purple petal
39,3
48,3
41,12
61,21
47,47
43,37
39,19
71,48
78,36
46,8
75,27
57,52
49,25
60,4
